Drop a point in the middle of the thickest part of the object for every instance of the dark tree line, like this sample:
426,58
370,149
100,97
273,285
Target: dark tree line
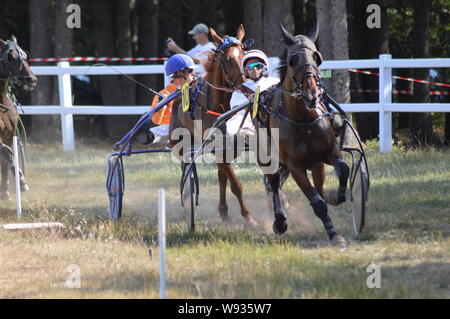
125,28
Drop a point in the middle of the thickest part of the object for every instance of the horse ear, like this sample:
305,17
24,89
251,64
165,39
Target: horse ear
240,32
14,39
287,37
314,33
215,36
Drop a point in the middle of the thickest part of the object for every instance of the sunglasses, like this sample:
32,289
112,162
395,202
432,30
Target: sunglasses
257,65
188,71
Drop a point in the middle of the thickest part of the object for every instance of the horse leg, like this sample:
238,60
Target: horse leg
274,183
223,207
4,165
342,170
236,189
318,204
7,156
318,174
284,174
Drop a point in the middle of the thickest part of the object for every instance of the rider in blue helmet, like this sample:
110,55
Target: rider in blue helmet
180,68
179,62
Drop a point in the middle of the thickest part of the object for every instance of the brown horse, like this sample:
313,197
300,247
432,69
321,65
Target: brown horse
306,137
14,68
213,94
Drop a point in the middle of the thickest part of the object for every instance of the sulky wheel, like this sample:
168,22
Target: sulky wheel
359,192
115,187
189,197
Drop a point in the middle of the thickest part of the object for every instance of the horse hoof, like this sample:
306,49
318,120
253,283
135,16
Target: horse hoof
338,241
279,227
250,223
226,220
24,187
332,198
5,196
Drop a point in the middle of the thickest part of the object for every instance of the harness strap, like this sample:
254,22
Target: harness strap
220,87
300,124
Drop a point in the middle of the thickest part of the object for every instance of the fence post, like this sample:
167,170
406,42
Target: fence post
385,96
167,80
65,101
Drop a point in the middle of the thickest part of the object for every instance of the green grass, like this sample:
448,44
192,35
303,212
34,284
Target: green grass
407,233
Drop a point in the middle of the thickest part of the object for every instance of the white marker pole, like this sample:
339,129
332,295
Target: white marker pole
16,171
162,243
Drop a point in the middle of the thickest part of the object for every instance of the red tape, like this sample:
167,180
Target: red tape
90,59
401,78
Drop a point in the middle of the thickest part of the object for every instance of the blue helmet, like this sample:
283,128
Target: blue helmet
179,62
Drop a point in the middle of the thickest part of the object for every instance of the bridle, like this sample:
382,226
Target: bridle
312,71
228,42
298,85
9,72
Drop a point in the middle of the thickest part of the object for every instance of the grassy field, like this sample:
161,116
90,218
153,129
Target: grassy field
407,234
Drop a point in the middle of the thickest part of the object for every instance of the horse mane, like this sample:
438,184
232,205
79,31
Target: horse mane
210,63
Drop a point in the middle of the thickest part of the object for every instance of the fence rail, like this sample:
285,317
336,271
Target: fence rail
384,107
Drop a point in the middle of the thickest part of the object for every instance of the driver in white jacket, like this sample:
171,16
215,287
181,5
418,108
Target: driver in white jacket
255,65
256,69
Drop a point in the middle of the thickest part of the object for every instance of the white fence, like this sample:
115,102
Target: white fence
384,107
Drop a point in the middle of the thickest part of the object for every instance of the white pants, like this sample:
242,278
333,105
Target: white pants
161,133
247,128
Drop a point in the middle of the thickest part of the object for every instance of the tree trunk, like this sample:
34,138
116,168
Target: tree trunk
421,126
148,42
171,26
299,14
253,13
113,38
374,42
41,43
274,13
63,48
333,44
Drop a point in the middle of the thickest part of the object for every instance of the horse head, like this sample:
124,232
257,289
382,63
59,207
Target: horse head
14,64
302,63
229,53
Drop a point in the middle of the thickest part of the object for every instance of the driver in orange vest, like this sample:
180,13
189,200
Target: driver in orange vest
180,67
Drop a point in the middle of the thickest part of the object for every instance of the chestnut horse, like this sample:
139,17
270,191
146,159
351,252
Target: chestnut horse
212,96
14,68
306,137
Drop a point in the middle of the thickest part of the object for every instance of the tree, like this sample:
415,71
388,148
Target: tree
421,126
148,43
113,38
333,45
62,48
253,11
41,38
274,13
367,43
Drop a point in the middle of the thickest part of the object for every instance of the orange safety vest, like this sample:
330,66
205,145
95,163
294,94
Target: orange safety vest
163,115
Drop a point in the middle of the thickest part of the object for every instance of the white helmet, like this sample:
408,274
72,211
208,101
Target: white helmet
255,54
